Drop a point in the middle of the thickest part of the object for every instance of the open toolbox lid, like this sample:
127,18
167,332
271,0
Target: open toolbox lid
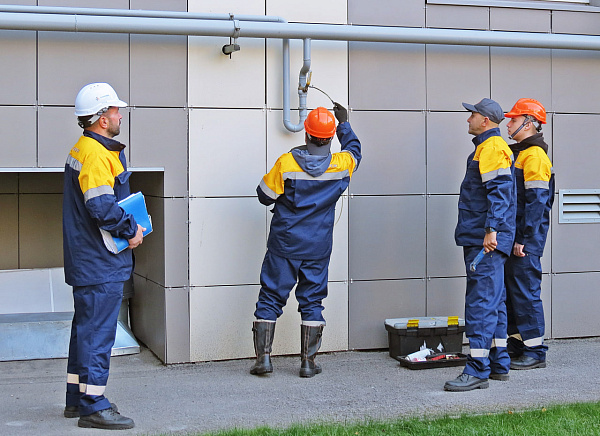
424,322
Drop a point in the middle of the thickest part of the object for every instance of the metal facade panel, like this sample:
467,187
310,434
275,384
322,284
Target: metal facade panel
176,228
150,256
372,302
41,183
394,163
574,78
575,305
226,161
109,4
444,257
410,13
575,247
577,23
250,7
448,146
40,246
518,73
227,241
158,65
458,17
25,291
575,158
446,296
52,148
387,237
387,76
547,303
18,60
311,11
159,5
148,315
521,20
177,311
161,147
456,74
18,145
9,230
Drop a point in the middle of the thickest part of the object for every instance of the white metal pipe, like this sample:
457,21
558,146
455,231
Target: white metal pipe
302,88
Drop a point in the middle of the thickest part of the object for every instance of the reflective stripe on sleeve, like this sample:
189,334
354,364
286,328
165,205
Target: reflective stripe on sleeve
493,174
97,192
74,163
268,191
537,184
325,176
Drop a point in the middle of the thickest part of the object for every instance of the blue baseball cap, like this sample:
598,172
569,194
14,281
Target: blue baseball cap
488,108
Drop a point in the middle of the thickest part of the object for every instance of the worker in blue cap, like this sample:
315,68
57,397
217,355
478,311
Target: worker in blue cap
486,218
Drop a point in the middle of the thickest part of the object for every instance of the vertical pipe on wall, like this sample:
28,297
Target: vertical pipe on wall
302,86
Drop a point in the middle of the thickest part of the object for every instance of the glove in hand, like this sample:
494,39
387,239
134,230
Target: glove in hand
340,112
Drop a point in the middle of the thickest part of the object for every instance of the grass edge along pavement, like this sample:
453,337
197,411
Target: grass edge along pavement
572,419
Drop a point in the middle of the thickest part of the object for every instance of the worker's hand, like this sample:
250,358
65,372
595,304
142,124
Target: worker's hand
340,112
489,242
518,250
138,238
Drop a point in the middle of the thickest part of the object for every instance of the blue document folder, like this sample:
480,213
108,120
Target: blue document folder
135,205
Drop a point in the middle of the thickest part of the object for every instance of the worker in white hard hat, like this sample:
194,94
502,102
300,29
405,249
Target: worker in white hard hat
95,179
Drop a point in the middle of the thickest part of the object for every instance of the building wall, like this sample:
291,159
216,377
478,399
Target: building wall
214,124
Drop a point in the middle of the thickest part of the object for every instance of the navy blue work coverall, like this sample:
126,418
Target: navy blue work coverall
304,189
487,199
523,275
96,177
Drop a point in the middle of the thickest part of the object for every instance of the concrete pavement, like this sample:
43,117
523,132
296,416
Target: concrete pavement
183,399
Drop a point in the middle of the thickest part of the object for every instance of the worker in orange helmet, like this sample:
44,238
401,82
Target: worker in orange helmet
304,185
523,271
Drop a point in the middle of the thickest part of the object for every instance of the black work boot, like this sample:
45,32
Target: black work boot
527,362
263,332
73,411
107,419
466,382
310,342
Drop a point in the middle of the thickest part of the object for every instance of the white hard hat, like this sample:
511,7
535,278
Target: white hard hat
95,97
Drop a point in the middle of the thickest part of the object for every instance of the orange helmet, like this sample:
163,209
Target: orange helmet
320,123
528,106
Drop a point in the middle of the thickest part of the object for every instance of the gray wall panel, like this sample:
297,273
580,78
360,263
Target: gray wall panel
109,4
178,325
463,17
446,297
575,161
159,5
372,302
83,58
575,305
456,74
161,147
409,13
150,255
158,70
386,76
574,78
575,247
395,163
41,183
387,237
582,23
147,310
18,129
521,20
53,148
18,60
448,146
521,72
444,257
176,240
547,303
9,231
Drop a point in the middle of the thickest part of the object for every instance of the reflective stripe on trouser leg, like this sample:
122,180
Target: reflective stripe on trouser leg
524,287
312,290
485,311
278,277
96,310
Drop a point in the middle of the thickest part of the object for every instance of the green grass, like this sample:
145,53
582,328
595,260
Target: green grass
572,420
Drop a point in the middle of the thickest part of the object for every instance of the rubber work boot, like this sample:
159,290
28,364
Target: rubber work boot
263,332
310,342
73,411
107,419
466,382
499,376
527,362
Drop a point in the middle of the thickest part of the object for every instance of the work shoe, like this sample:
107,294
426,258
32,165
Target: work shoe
310,342
73,411
499,376
263,333
466,382
527,362
107,419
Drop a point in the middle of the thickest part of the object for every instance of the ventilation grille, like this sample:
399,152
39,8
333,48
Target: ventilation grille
579,206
